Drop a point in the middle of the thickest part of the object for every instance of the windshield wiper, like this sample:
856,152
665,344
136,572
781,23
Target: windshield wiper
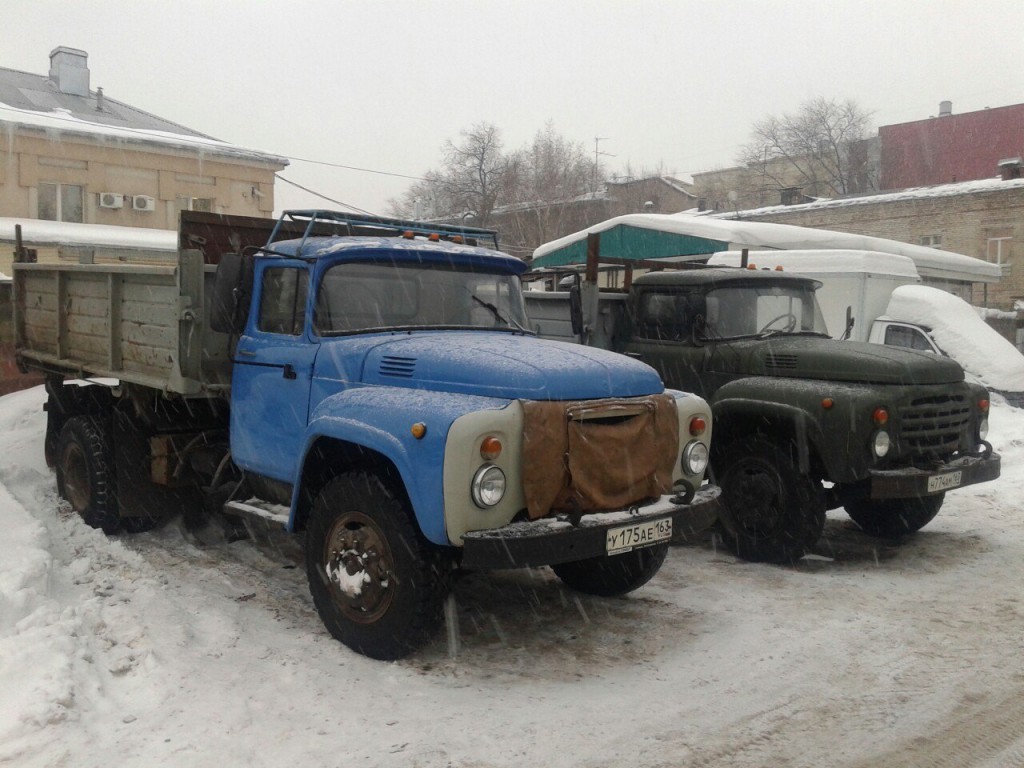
497,314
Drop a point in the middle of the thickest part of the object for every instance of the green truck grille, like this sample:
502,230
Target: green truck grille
933,425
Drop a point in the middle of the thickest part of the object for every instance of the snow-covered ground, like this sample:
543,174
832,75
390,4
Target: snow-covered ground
157,649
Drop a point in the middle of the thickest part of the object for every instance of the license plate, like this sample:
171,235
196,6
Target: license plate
629,537
945,482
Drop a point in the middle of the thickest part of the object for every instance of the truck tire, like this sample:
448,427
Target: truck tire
771,512
85,473
608,576
890,518
377,584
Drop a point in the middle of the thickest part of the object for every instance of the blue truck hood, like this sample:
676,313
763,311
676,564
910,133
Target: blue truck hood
506,366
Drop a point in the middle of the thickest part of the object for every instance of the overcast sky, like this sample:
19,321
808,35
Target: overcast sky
381,85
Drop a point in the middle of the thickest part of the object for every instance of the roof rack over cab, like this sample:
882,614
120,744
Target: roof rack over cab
315,223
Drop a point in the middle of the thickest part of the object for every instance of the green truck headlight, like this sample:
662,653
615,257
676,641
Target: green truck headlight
695,458
983,428
488,486
880,445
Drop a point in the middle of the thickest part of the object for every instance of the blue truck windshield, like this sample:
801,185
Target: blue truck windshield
359,297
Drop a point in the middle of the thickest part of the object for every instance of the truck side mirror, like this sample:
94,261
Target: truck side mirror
576,309
232,292
849,324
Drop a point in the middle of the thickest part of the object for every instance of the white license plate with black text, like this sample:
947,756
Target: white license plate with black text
945,482
629,537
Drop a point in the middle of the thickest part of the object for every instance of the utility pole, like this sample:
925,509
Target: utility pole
597,154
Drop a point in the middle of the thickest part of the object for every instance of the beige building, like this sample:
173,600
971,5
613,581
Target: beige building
69,153
983,219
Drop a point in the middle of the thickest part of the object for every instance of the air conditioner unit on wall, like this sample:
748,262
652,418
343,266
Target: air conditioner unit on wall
111,200
143,203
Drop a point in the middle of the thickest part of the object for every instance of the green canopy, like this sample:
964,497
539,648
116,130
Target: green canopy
633,244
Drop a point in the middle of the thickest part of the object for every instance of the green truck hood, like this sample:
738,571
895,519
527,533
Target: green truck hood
807,357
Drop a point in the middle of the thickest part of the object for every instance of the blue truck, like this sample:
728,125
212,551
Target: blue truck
368,384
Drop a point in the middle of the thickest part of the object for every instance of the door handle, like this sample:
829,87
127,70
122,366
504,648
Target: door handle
246,353
289,371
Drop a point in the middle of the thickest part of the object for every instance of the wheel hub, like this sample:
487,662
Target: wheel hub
755,499
359,567
76,478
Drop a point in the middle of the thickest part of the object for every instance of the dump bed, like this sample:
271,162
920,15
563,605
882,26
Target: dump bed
139,323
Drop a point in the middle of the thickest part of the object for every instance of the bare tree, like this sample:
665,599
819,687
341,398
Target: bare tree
821,148
545,183
469,183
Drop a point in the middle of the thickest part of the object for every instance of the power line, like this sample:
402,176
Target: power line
318,194
356,168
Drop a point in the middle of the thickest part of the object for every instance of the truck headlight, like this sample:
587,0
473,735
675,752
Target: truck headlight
488,486
880,445
695,458
983,428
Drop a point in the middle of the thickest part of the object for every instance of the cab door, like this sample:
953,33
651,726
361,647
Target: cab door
273,367
662,327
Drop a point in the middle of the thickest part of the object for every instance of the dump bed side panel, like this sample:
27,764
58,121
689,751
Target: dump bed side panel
142,324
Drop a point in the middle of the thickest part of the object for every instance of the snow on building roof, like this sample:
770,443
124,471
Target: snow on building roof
36,232
739,234
979,186
61,122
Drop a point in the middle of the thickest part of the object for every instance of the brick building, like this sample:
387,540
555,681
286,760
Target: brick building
952,148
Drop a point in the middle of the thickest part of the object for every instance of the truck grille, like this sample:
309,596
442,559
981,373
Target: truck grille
934,424
402,367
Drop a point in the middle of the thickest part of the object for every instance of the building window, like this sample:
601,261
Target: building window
998,250
195,204
61,202
932,241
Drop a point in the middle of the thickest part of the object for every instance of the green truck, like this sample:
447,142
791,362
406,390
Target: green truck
803,423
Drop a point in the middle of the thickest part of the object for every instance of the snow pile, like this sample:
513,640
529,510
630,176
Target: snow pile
960,332
160,649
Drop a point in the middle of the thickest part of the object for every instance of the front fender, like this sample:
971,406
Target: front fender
740,408
380,419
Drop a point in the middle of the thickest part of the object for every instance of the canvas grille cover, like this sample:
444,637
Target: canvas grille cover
597,455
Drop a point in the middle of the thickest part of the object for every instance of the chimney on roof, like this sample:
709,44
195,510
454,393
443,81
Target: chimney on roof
945,108
1009,168
69,70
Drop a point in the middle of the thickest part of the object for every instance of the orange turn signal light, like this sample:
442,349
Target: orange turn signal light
490,448
983,405
827,403
419,430
880,416
698,426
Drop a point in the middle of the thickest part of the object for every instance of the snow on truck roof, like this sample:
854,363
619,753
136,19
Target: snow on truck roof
658,235
369,247
824,261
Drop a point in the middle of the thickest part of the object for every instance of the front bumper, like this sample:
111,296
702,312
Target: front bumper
915,483
553,540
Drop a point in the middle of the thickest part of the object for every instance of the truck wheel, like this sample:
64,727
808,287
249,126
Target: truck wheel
377,584
608,576
771,512
85,473
894,517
